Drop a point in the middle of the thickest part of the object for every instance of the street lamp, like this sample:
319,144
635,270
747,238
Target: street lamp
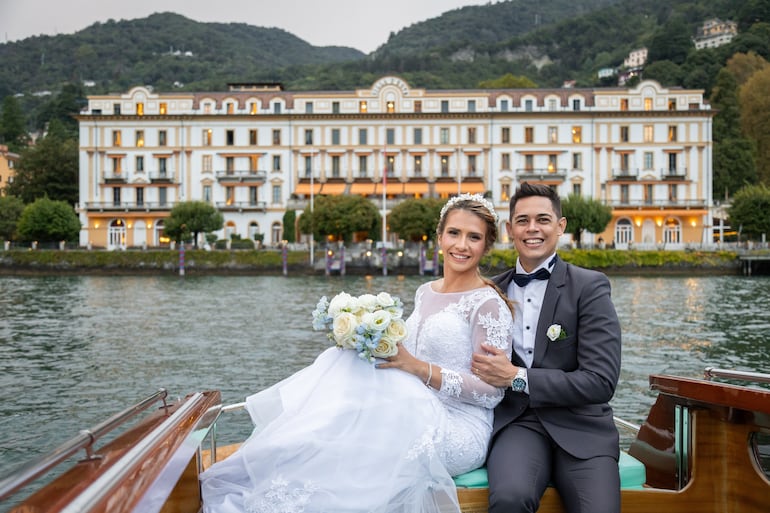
312,191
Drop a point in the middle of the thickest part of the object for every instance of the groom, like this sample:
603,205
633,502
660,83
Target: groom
555,424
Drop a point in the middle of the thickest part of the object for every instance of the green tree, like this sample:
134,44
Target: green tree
191,218
13,126
585,214
665,72
49,168
671,42
340,216
47,220
743,65
11,208
289,220
748,211
755,119
508,81
414,218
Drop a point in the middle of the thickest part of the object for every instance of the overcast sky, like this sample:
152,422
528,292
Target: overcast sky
361,24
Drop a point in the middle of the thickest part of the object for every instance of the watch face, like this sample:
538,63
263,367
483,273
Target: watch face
518,385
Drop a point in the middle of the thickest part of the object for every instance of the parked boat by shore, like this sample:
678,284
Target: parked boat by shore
700,448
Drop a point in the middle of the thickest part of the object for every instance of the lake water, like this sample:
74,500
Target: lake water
75,349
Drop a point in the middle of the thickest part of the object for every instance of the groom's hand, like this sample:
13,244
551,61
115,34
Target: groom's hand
494,367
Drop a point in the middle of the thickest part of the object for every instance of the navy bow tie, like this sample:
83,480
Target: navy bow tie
522,280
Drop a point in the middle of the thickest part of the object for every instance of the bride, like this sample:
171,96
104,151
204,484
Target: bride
343,435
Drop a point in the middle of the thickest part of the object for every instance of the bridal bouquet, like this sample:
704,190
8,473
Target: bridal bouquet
370,325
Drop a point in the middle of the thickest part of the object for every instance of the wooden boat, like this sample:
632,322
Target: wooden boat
703,447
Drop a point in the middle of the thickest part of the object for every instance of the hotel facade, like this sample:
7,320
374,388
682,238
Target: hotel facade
256,151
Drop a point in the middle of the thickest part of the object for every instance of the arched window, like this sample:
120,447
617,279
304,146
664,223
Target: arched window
624,232
672,231
116,235
276,235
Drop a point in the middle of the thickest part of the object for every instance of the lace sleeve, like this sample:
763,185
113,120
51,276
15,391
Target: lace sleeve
491,323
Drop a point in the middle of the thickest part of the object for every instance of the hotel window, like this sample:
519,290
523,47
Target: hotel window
161,137
444,106
671,104
418,106
575,104
528,105
505,192
552,164
308,107
207,193
336,136
253,108
276,137
529,162
529,134
648,194
139,196
624,196
207,164
230,137
624,161
390,136
139,137
624,130
116,196
577,134
117,167
362,136
363,108
116,138
207,136
577,189
553,134
230,107
163,109
471,105
649,133
444,136
506,161
308,136
444,165
418,165
472,165
335,107
276,162
253,196
207,108
335,166
417,136
363,164
672,133
140,109
276,193
648,160
277,108
504,105
308,166
140,164
577,161
229,165
162,196
253,137
673,193
551,104
624,104
648,104
672,163
253,163
391,107
229,195
116,109
471,135
505,135
390,162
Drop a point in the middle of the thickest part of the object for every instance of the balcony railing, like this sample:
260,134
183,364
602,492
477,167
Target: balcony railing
161,176
115,177
256,176
543,174
625,174
241,206
658,203
674,174
129,206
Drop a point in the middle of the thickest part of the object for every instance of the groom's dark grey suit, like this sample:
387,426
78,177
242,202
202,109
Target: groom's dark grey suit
571,381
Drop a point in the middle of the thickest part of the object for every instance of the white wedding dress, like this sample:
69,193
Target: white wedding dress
341,436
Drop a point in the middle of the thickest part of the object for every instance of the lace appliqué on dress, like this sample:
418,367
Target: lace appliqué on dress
281,499
498,329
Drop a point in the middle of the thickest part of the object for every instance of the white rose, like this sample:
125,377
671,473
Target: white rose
367,302
384,300
554,332
339,303
376,321
386,347
343,329
396,330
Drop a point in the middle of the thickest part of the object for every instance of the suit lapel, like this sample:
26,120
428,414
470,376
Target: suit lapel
548,310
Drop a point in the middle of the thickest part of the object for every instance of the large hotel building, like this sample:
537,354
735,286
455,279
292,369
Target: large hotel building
256,151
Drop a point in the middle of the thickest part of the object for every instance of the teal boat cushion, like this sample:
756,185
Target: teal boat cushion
632,475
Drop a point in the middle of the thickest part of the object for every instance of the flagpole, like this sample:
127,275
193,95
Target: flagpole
312,186
384,212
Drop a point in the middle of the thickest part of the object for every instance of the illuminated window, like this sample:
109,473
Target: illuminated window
163,108
391,107
648,104
140,138
116,138
229,195
577,134
529,134
140,109
253,108
552,164
444,165
624,104
207,134
649,133
363,108
117,166
672,104
672,133
505,192
418,165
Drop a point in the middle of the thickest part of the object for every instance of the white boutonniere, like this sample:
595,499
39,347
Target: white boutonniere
555,332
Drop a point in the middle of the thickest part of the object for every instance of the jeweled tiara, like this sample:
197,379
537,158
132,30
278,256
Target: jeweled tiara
478,198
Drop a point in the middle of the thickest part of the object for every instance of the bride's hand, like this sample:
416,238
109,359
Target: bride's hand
403,360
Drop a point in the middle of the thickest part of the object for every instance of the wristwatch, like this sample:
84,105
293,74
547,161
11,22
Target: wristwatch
519,382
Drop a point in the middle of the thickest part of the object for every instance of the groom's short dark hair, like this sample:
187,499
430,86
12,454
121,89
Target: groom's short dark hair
527,189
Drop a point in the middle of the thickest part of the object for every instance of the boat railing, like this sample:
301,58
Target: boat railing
755,377
84,440
213,432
